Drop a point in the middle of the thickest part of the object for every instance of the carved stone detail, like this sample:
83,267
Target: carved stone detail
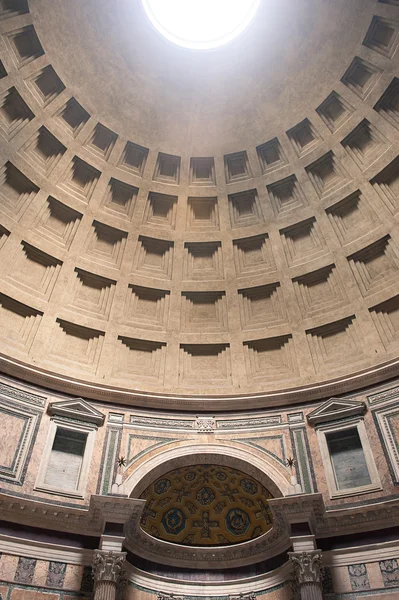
205,424
161,596
107,566
307,575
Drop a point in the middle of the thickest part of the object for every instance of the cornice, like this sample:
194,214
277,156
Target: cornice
285,397
291,509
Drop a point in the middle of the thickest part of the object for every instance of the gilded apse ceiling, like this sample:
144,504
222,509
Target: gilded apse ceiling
206,505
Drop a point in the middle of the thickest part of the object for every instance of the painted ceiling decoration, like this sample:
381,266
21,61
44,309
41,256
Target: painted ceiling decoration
206,505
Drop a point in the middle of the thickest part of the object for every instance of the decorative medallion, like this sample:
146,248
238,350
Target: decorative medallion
237,521
206,505
205,496
174,521
162,486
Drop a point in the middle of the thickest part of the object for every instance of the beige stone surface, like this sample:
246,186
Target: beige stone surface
120,266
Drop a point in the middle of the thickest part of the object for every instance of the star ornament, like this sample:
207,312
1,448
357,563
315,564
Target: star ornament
290,461
121,461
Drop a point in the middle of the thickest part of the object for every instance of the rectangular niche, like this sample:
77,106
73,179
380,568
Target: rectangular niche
271,156
16,191
76,345
203,261
13,8
120,198
285,196
262,306
80,179
14,113
139,360
93,294
204,365
304,137
271,359
43,151
327,175
24,45
202,171
101,141
386,320
237,167
167,168
133,159
319,291
303,242
253,256
376,266
202,214
335,111
4,233
34,271
361,77
3,72
58,222
18,323
160,210
245,209
203,311
46,85
147,308
154,257
365,144
335,344
106,245
72,117
352,218
382,36
386,184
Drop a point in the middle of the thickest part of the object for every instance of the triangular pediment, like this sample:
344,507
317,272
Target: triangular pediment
336,408
76,409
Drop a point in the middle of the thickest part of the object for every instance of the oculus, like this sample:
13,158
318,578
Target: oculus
200,24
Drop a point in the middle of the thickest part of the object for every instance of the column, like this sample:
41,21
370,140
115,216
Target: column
307,575
108,574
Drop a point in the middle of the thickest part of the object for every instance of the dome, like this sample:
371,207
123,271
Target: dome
199,299
186,228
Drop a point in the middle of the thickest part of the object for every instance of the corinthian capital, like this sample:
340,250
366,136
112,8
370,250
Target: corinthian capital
307,567
107,566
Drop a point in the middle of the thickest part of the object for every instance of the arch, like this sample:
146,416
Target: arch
265,469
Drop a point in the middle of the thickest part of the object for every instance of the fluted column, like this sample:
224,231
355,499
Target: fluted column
308,575
108,574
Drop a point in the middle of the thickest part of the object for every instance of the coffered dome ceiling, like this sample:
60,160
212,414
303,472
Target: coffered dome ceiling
187,229
206,505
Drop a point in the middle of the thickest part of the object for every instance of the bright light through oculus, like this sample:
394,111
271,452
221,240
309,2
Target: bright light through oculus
200,24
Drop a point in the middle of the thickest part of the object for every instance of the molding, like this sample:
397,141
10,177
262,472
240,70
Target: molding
76,409
21,395
383,417
256,584
45,551
29,415
336,409
291,509
291,396
350,556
